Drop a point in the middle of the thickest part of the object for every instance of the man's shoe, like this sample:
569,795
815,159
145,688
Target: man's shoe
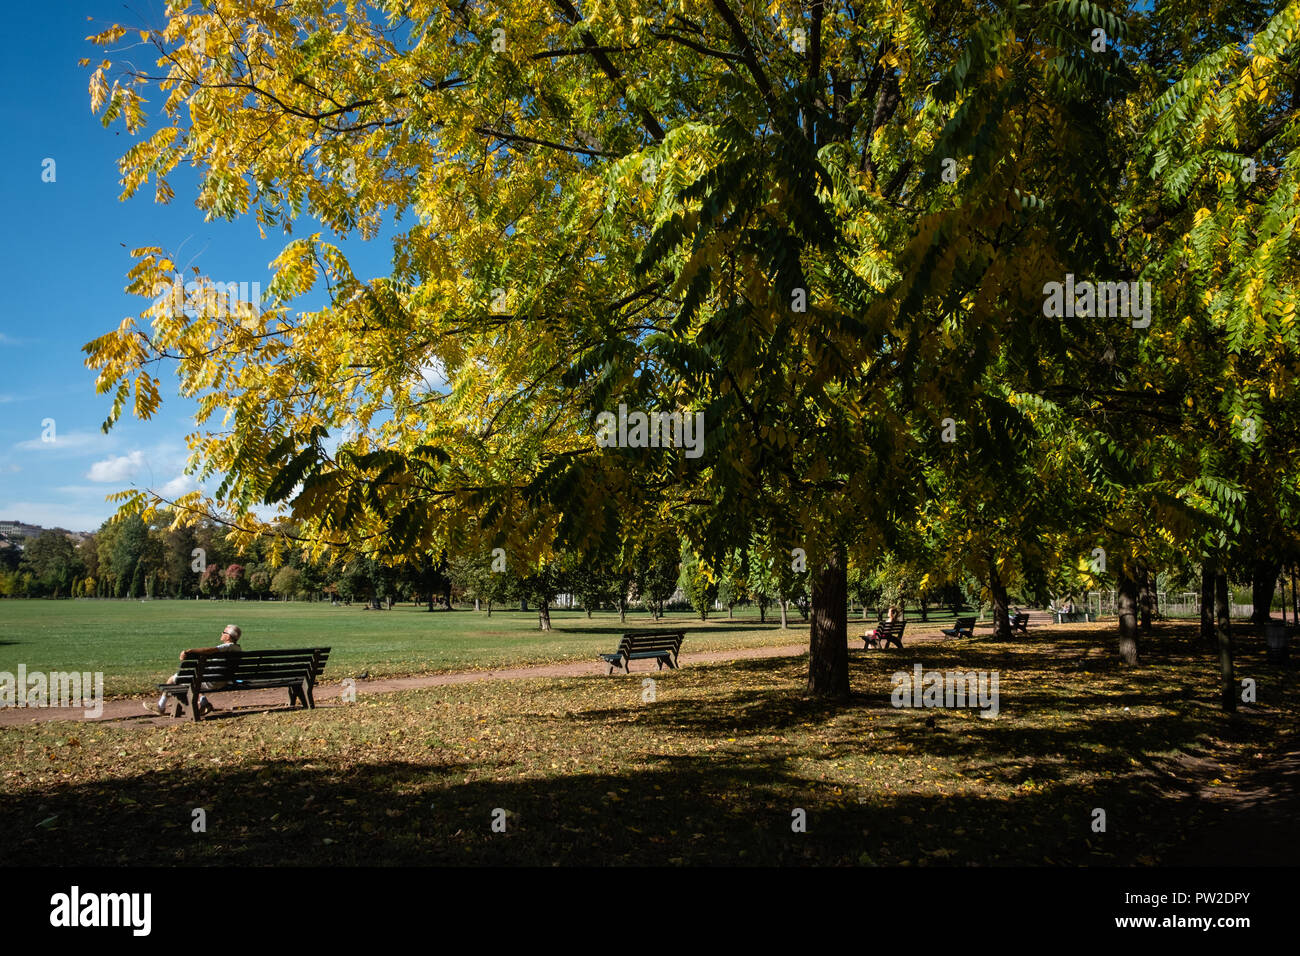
206,708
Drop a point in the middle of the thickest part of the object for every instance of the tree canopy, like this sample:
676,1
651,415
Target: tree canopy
829,229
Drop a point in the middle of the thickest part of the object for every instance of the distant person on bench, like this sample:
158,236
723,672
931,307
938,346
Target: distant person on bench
229,643
895,615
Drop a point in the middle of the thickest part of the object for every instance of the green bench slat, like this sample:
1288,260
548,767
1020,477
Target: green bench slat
891,632
654,645
254,670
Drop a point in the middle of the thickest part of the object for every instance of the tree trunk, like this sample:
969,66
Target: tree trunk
1263,585
622,610
1223,633
1295,595
544,615
1128,625
923,612
1207,602
1146,597
1001,619
784,620
828,646
489,608
476,607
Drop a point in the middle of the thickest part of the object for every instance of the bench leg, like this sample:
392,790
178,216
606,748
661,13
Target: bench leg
309,699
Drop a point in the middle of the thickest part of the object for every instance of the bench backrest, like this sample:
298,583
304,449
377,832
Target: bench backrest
639,641
254,666
965,623
892,627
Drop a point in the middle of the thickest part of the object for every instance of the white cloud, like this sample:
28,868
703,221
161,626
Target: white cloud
68,441
118,468
432,375
180,485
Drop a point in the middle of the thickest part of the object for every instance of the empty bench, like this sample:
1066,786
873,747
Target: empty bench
886,633
661,646
962,627
1018,622
295,669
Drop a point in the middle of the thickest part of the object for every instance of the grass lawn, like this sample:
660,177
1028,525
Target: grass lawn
136,643
708,772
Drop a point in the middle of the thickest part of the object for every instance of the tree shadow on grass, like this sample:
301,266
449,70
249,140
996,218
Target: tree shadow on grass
730,809
689,628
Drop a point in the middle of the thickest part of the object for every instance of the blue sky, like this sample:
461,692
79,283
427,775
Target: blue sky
64,262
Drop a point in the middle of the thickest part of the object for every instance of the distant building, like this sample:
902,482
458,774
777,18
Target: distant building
19,529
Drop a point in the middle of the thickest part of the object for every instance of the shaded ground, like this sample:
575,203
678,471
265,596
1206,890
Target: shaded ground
1254,821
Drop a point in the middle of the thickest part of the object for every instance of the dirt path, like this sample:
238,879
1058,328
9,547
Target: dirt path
1254,821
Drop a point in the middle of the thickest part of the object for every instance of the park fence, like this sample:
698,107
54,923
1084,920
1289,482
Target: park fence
1184,605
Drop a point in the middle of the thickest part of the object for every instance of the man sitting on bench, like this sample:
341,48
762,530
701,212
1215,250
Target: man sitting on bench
229,644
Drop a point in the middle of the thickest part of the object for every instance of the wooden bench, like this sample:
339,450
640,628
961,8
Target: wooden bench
1020,622
661,646
1070,617
296,669
962,627
886,633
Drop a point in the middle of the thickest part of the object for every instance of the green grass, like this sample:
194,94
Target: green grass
709,772
136,643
